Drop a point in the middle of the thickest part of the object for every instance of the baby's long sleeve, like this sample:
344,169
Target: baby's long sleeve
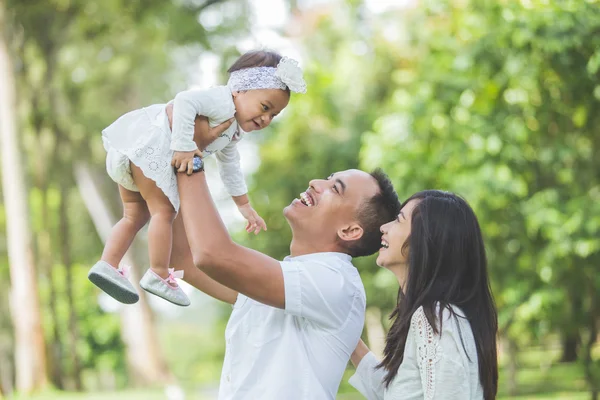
230,170
214,103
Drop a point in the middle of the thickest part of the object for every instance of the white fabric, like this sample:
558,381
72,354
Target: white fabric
287,75
435,367
299,353
143,137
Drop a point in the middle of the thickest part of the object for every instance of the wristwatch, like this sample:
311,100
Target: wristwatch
198,164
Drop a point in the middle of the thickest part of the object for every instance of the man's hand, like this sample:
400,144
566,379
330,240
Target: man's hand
203,133
183,161
255,222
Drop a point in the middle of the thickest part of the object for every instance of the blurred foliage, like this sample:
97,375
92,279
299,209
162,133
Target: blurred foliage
494,100
79,66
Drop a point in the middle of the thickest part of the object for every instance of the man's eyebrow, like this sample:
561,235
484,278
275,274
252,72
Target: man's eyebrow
342,184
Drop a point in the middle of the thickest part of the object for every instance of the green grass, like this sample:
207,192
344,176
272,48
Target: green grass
539,378
122,395
129,395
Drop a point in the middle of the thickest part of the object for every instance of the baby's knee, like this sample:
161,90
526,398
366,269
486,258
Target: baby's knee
137,216
165,214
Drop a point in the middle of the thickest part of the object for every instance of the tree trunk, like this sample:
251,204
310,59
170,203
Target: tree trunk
45,261
588,361
570,340
570,345
145,361
30,356
513,363
6,369
65,249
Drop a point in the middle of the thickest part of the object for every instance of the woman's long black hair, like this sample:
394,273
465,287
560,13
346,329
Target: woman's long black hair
447,266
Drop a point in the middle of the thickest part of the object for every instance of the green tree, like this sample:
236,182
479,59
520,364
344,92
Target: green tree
79,65
493,100
496,101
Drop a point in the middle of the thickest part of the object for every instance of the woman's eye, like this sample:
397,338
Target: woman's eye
336,189
265,107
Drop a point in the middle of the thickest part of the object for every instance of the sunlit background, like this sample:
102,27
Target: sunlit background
495,100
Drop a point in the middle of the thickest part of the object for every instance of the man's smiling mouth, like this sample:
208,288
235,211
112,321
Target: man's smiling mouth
306,199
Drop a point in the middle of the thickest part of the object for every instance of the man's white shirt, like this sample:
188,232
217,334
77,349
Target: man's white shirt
299,353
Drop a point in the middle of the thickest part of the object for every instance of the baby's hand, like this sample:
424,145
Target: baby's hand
255,222
183,161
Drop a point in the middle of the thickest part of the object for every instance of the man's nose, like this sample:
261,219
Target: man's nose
316,185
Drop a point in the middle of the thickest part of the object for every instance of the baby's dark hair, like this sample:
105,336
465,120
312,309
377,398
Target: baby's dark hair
256,58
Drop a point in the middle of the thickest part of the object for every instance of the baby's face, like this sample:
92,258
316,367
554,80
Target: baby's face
255,109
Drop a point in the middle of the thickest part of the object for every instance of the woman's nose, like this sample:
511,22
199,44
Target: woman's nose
384,228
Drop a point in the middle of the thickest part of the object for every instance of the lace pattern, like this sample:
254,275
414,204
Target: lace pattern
429,351
141,138
287,75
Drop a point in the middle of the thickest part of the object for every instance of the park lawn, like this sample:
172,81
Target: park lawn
537,379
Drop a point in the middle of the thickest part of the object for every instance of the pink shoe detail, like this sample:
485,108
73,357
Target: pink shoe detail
125,271
174,274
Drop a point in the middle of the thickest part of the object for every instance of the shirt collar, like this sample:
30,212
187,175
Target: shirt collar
313,256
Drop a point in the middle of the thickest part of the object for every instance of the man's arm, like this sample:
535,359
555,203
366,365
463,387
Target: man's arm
249,272
181,258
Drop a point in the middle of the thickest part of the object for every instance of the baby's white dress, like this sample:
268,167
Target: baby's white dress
143,137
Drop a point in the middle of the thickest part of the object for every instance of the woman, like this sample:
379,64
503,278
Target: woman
442,343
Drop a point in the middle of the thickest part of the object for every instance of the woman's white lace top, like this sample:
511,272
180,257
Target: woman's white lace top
435,366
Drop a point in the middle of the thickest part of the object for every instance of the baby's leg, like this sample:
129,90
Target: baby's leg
135,216
160,231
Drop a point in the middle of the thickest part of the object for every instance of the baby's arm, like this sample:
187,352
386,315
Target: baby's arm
232,176
186,106
255,221
203,133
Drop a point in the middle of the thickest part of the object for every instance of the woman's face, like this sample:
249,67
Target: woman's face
395,234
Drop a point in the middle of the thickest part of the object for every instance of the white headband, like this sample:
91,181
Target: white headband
287,75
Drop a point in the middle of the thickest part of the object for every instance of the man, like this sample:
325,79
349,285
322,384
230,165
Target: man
296,322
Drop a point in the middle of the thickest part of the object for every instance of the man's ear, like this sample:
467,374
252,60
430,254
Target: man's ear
350,232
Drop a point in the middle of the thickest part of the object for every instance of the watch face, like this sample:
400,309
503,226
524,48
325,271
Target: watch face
198,164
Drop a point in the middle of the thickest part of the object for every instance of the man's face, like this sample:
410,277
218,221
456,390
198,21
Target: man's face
329,206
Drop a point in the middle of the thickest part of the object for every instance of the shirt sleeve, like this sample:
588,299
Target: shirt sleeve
211,103
230,170
367,379
318,293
